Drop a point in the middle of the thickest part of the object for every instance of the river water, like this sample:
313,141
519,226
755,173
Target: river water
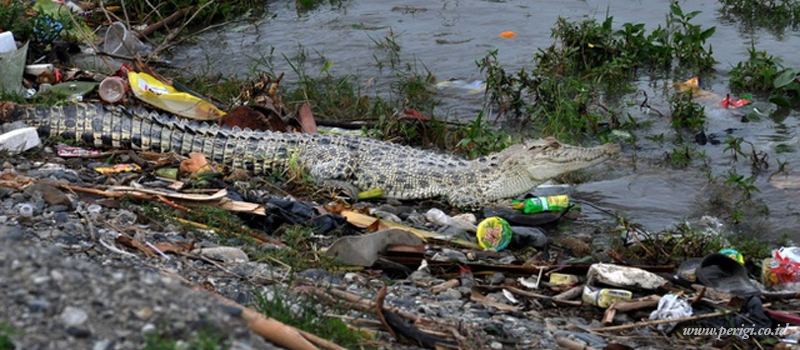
448,37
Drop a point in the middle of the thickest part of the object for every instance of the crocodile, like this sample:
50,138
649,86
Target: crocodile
401,172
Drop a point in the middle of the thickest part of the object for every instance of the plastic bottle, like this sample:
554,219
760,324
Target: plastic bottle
604,297
541,204
112,89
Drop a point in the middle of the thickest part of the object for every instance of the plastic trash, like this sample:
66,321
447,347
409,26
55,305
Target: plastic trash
529,237
7,43
494,233
780,275
120,41
508,34
624,276
439,217
688,269
733,103
118,168
541,204
473,87
720,272
112,89
93,211
671,306
788,254
604,297
12,65
72,151
733,254
19,140
563,279
167,98
25,211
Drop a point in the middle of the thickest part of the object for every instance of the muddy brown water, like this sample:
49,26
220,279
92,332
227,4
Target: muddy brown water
448,37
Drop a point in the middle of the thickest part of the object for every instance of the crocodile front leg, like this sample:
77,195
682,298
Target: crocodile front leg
335,170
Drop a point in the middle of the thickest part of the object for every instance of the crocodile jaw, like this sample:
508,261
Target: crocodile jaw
547,158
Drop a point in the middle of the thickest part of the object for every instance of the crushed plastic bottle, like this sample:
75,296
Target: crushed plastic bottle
541,204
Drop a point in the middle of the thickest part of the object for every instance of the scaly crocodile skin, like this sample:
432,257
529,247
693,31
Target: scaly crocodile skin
401,172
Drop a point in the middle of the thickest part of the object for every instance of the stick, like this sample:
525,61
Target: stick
269,328
641,303
516,290
177,15
570,294
571,344
650,323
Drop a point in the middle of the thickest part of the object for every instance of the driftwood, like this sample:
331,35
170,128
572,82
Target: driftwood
166,22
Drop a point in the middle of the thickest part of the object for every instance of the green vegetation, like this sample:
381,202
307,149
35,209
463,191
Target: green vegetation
303,312
776,16
205,12
687,114
563,95
203,339
6,331
299,252
764,73
685,241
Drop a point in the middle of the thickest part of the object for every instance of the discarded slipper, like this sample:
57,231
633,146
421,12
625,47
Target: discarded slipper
722,273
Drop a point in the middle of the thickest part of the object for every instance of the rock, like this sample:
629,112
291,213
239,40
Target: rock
224,254
50,194
73,316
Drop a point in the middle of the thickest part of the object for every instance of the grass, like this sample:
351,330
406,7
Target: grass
305,313
204,339
299,252
6,331
776,16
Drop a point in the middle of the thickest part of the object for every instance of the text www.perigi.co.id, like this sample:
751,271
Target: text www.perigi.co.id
741,332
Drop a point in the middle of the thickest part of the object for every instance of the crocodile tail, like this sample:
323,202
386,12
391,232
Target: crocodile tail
114,127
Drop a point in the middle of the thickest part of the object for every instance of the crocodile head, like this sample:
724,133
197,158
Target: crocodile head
547,158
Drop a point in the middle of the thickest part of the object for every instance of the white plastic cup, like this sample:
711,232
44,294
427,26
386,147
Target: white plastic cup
7,43
112,89
120,41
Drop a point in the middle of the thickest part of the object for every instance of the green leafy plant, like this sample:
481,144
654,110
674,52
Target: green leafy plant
687,114
480,139
688,40
758,73
775,15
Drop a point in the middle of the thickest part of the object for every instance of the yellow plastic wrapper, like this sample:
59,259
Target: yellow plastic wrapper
494,233
165,97
118,168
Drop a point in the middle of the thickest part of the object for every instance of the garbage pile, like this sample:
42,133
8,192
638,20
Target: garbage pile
496,278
